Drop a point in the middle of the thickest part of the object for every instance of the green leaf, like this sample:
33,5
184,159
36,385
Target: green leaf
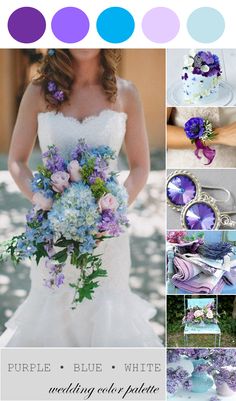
61,256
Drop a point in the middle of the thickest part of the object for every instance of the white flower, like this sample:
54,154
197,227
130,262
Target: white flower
209,314
198,313
205,68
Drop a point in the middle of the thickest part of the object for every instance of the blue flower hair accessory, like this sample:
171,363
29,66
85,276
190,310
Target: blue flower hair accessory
51,52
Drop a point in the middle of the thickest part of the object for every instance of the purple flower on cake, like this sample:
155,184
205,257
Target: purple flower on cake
206,64
199,131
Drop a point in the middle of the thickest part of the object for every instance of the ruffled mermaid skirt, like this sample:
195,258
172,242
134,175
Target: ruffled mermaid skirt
114,318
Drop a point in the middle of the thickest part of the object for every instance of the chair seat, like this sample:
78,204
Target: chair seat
212,328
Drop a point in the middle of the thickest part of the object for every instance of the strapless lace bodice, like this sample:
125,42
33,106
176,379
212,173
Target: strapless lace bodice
106,128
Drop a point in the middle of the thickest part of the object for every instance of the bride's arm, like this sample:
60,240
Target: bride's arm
23,139
136,143
176,137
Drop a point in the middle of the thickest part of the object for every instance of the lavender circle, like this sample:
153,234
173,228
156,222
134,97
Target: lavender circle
200,216
181,190
26,25
160,24
70,25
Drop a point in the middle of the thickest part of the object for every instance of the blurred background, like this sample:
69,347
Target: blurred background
146,68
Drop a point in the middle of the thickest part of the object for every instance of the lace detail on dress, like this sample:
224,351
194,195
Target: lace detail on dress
108,127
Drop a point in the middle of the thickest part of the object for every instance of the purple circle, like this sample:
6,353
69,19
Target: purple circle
160,24
70,25
26,25
200,216
181,190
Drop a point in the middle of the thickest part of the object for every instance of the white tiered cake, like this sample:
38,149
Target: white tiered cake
201,77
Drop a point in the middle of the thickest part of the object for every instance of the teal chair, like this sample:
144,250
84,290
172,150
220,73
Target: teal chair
195,329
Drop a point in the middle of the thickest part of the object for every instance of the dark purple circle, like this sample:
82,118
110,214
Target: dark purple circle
181,190
200,216
70,25
26,25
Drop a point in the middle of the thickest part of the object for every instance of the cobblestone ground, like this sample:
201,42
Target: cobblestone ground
147,247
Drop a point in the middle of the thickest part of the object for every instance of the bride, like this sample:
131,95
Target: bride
181,151
91,102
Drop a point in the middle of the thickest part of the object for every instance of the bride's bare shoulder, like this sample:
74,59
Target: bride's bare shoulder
128,93
33,97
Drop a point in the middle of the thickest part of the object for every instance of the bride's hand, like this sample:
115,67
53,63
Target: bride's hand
226,135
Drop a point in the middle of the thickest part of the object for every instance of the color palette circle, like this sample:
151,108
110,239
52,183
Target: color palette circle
115,25
206,24
26,25
70,25
160,24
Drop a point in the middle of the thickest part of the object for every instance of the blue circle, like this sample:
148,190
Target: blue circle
206,24
115,25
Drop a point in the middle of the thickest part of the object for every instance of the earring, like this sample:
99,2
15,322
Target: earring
199,210
183,187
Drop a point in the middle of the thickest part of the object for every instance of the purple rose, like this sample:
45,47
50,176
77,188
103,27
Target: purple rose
195,128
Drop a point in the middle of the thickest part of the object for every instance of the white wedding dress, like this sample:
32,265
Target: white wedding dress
115,317
185,158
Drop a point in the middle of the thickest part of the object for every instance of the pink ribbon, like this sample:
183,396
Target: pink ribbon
205,150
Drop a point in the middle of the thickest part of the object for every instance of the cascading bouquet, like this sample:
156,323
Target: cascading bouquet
197,315
199,131
78,203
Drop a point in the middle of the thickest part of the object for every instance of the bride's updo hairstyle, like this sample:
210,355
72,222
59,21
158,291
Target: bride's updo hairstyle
56,75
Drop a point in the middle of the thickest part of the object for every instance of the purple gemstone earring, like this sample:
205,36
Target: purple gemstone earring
203,214
199,211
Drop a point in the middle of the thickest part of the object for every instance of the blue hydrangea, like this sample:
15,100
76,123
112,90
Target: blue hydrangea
75,215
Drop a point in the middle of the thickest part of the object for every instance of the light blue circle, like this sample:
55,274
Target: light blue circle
115,25
206,24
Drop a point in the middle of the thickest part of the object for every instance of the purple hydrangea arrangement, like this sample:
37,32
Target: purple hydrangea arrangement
199,131
177,378
77,204
220,363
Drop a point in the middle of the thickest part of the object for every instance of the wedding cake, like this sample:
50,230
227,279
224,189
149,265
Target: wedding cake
201,77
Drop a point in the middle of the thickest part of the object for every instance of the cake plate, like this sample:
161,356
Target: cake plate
175,96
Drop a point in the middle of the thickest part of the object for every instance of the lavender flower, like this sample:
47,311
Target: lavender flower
59,96
177,378
173,355
53,161
52,87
